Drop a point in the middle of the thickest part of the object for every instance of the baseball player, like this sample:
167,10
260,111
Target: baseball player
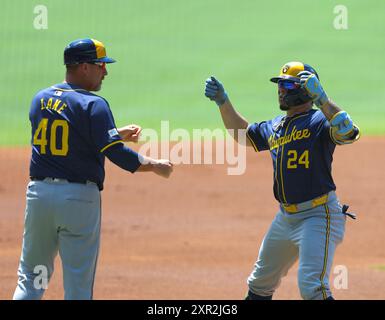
73,130
310,222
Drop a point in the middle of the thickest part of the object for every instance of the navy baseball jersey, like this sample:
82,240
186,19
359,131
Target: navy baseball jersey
302,152
71,128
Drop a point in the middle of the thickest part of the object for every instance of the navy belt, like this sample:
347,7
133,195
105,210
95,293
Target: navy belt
34,178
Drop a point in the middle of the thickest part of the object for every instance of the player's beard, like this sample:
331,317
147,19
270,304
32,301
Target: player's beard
282,105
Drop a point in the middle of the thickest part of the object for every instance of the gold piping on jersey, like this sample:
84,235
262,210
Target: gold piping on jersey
276,172
111,144
283,146
323,288
252,142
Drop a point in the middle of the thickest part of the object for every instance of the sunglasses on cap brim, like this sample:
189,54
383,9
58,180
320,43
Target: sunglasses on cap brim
287,84
100,64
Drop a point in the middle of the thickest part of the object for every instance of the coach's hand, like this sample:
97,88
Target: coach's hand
215,92
310,82
130,133
162,167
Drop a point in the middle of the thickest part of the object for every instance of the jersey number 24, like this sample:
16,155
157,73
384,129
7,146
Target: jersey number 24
293,161
40,137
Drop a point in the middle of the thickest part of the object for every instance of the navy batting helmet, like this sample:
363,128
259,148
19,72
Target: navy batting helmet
289,72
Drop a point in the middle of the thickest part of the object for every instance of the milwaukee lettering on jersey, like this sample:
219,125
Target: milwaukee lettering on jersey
293,136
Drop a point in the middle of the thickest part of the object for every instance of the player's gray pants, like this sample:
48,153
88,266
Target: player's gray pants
312,236
60,217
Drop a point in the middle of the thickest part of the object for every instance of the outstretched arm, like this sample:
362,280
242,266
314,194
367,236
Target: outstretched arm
343,130
129,160
232,119
161,167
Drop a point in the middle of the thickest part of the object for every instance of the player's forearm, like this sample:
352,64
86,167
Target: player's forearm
343,129
232,120
161,167
339,119
147,164
329,109
123,157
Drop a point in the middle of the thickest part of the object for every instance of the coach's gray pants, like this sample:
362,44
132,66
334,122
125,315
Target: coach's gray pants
310,236
60,217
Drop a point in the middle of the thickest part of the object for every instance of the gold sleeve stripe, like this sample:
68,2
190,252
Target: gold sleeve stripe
332,136
251,141
111,144
344,141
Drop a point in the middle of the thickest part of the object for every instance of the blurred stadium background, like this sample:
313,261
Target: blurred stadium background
166,49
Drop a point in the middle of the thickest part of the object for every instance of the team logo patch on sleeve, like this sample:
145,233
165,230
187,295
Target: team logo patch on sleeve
113,132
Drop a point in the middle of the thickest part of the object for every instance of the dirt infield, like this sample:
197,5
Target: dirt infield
196,235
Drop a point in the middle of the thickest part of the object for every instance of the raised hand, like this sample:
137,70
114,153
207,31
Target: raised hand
312,85
215,91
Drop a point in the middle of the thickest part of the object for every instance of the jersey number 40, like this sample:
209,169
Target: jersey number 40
40,137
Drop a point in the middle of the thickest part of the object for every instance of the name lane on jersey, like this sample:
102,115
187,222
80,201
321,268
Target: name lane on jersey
50,104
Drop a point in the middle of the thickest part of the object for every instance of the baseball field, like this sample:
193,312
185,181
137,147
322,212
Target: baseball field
197,234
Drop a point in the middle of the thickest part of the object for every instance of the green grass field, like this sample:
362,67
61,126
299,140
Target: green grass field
166,49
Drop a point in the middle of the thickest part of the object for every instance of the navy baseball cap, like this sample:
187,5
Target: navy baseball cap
86,50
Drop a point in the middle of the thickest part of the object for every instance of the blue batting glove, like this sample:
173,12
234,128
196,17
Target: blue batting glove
215,92
310,82
343,123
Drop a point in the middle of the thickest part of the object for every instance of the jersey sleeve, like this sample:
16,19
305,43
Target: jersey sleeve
103,128
256,133
123,157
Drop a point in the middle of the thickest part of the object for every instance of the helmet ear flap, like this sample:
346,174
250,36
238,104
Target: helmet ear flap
311,69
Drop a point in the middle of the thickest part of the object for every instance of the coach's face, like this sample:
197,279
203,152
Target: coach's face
93,75
90,75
